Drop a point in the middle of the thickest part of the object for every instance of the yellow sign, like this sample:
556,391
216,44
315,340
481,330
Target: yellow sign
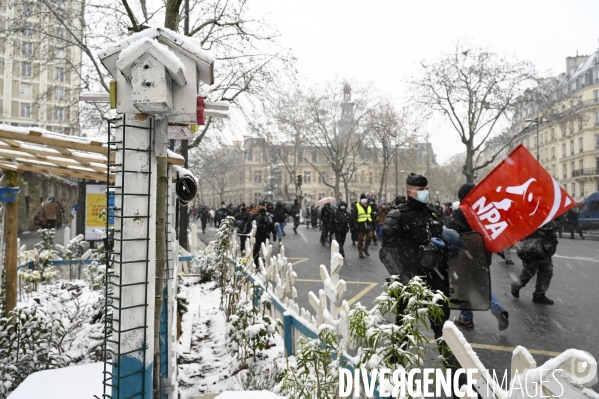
94,207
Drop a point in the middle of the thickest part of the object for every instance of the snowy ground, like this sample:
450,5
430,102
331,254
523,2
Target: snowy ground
209,366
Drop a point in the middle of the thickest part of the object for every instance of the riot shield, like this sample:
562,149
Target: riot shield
469,275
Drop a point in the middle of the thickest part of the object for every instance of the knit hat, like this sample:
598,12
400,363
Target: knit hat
465,190
416,180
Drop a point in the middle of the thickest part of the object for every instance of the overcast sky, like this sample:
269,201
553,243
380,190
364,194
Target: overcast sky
382,41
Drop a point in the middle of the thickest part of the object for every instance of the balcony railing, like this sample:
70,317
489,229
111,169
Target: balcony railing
585,172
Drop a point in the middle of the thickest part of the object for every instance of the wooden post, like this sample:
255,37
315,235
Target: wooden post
12,235
161,194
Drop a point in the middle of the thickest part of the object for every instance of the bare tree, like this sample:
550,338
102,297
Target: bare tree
390,129
474,89
219,168
337,130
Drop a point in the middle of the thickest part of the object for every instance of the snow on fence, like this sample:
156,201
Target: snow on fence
569,375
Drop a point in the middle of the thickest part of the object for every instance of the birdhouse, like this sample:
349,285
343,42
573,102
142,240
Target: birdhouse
158,72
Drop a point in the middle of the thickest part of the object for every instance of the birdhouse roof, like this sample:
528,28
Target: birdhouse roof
188,46
159,51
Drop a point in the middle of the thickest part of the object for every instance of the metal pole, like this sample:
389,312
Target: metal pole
396,185
537,139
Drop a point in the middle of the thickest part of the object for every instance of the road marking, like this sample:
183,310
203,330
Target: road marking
356,297
298,261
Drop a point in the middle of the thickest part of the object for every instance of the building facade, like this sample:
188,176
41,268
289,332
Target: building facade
566,139
254,171
39,70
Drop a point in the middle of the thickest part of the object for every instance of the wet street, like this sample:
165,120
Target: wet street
546,331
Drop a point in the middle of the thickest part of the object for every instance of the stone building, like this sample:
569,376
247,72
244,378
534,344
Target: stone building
565,136
39,70
254,171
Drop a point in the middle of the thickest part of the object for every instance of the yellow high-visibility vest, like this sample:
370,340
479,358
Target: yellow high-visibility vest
364,216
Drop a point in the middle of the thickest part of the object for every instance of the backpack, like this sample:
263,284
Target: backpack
531,249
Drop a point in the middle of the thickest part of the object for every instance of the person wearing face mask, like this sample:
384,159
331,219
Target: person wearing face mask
340,225
362,217
407,233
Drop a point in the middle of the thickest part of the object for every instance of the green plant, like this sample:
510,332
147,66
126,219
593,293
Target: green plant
29,342
403,343
95,275
316,375
259,378
250,331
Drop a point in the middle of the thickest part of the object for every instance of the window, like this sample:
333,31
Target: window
27,29
319,178
257,176
57,129
321,195
596,95
58,114
257,198
563,130
573,185
59,53
307,176
553,171
257,155
527,143
580,124
597,141
571,147
581,164
59,74
552,133
582,189
580,149
370,177
552,152
27,49
314,157
25,110
571,127
546,154
596,118
27,9
58,94
25,90
59,33
572,169
564,150
26,69
565,170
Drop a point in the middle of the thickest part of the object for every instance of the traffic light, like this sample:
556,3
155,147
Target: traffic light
299,180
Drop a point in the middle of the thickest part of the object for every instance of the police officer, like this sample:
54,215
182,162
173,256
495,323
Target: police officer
295,212
265,227
362,219
340,225
406,231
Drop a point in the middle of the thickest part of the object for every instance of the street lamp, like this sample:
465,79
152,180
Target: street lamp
537,121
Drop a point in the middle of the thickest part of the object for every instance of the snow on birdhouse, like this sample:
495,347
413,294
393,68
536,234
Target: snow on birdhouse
159,72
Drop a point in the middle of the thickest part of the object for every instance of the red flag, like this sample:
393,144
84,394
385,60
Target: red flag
515,199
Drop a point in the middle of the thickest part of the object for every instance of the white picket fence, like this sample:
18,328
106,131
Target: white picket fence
569,375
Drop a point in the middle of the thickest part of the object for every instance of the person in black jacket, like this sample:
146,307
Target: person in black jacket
295,213
536,259
265,227
458,222
244,225
340,225
203,213
325,219
571,219
280,216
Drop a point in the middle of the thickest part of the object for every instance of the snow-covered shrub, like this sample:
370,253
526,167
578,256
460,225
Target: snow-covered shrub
316,375
250,331
29,342
44,250
259,378
95,275
212,263
391,345
28,279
